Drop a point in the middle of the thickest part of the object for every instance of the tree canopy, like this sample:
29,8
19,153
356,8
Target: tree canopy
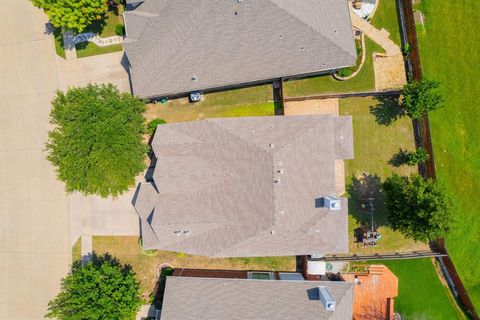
100,289
97,144
420,97
418,208
73,15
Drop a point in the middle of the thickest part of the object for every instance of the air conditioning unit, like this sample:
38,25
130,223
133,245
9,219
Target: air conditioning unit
326,298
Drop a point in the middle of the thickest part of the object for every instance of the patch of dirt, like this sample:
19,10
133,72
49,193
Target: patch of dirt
389,72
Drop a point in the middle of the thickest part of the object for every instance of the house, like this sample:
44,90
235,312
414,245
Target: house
194,298
242,187
179,46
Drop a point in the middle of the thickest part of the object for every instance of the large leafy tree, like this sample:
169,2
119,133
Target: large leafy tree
100,289
418,208
96,144
420,97
73,15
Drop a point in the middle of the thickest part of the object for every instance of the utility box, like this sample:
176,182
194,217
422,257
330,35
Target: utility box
326,298
332,203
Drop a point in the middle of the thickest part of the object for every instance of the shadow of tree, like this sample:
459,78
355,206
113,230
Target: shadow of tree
157,295
99,260
365,194
399,159
387,110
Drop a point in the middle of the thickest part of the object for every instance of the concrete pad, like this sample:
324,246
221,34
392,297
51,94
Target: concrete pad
389,72
15,222
311,107
46,218
42,182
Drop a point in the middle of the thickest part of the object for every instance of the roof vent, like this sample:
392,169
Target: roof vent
326,298
276,181
273,232
280,171
194,78
332,203
271,145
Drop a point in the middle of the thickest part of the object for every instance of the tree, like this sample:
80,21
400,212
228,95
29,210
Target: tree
100,289
418,208
419,156
152,125
420,97
73,15
97,144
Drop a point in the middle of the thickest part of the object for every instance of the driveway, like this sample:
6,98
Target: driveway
36,217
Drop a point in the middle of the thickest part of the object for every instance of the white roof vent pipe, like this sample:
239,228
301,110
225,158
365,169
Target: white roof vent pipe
326,298
332,203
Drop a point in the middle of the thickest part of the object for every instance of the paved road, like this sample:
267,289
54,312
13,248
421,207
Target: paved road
34,238
38,222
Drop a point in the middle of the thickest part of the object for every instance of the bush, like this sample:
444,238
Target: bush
345,72
152,125
97,145
120,30
419,156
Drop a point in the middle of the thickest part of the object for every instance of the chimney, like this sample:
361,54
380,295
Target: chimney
326,298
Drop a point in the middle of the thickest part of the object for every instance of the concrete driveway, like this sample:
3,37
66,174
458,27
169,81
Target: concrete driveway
36,216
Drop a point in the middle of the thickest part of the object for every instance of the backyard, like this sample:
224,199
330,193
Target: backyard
145,263
450,53
377,138
421,294
254,101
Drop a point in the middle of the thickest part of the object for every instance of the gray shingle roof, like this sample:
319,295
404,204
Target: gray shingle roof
237,299
229,42
246,187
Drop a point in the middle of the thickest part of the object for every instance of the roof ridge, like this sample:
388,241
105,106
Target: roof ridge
309,27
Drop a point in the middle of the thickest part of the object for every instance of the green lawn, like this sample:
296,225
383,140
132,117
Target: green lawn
87,49
386,17
77,250
254,101
374,145
421,294
58,39
363,81
450,53
128,251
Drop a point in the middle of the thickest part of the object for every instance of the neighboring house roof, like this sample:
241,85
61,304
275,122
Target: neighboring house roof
178,46
375,293
237,299
246,187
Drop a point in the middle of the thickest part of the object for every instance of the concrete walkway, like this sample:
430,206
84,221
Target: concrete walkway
87,248
35,249
381,37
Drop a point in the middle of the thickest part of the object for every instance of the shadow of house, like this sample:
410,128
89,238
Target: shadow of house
387,110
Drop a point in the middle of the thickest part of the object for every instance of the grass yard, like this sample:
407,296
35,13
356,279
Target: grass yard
374,146
58,39
87,49
128,251
363,81
77,250
450,53
386,17
421,294
254,101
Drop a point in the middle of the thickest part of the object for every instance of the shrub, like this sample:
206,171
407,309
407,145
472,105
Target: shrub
120,30
345,72
419,156
152,125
